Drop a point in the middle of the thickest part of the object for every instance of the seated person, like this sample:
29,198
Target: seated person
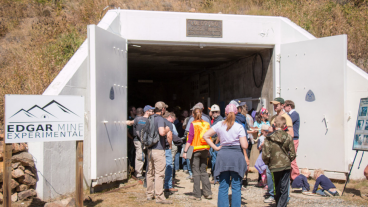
328,188
301,181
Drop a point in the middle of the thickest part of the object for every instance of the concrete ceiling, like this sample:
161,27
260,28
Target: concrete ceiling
155,61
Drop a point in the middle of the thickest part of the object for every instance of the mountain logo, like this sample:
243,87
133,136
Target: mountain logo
51,111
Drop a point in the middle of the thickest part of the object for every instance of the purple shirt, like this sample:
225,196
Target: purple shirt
231,137
191,133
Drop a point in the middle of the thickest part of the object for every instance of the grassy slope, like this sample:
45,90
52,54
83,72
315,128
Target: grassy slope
38,37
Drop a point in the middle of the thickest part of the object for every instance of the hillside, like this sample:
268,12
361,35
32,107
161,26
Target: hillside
38,37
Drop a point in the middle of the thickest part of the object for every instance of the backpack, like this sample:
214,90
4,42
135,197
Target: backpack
149,134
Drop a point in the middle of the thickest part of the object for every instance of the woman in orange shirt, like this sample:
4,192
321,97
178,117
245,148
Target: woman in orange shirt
198,160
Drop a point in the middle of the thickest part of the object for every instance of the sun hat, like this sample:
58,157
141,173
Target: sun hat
231,108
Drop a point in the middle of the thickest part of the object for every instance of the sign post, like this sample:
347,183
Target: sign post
38,118
79,175
360,142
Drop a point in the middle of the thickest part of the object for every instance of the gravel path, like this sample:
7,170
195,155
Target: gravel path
253,196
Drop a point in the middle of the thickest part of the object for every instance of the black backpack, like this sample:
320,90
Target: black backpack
149,134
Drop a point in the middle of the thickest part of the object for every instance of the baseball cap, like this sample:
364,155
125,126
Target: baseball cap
236,102
265,127
148,107
160,105
195,107
278,100
215,107
242,104
199,105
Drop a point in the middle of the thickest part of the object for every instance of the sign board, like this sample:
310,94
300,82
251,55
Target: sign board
38,118
361,128
204,28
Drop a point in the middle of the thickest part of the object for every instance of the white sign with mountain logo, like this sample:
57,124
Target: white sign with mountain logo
37,118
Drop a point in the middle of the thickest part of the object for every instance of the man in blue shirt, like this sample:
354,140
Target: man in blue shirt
290,109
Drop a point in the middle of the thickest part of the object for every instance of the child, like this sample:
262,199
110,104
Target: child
262,180
301,181
328,188
278,152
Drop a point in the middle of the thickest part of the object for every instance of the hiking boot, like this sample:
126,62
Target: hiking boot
269,200
171,190
194,198
209,197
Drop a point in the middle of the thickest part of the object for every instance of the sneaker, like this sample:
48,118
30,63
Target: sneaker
186,171
194,198
189,177
164,202
327,193
338,193
269,200
209,197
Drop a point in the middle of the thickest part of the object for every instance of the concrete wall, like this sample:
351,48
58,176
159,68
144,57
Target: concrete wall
235,79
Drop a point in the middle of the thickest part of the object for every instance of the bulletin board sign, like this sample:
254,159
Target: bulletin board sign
361,129
38,118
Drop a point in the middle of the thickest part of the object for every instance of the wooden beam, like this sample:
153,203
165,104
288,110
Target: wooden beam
79,175
7,174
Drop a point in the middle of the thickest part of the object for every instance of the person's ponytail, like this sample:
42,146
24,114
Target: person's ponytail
229,121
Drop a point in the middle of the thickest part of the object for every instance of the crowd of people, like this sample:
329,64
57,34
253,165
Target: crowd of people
161,143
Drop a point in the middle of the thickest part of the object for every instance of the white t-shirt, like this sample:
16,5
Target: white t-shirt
260,140
231,137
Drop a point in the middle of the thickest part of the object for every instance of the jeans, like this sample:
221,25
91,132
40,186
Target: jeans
177,158
169,168
270,183
282,184
223,197
199,165
322,192
213,154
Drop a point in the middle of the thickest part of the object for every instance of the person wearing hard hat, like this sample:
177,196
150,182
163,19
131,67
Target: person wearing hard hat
215,110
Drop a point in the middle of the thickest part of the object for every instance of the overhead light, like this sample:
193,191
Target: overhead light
136,45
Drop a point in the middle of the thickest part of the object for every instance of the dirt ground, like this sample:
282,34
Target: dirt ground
132,194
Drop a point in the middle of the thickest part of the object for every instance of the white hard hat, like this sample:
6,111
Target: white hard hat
215,107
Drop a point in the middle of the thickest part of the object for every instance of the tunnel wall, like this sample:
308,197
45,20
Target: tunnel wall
235,80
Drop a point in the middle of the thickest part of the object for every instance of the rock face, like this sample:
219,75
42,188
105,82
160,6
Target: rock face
24,173
28,180
14,197
17,173
26,194
13,184
22,187
25,158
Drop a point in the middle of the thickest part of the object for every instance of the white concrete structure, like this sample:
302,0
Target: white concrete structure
299,63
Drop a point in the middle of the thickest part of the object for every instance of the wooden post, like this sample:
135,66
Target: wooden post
7,174
79,175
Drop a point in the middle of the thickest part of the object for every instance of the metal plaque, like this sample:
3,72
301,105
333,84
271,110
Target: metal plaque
204,28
